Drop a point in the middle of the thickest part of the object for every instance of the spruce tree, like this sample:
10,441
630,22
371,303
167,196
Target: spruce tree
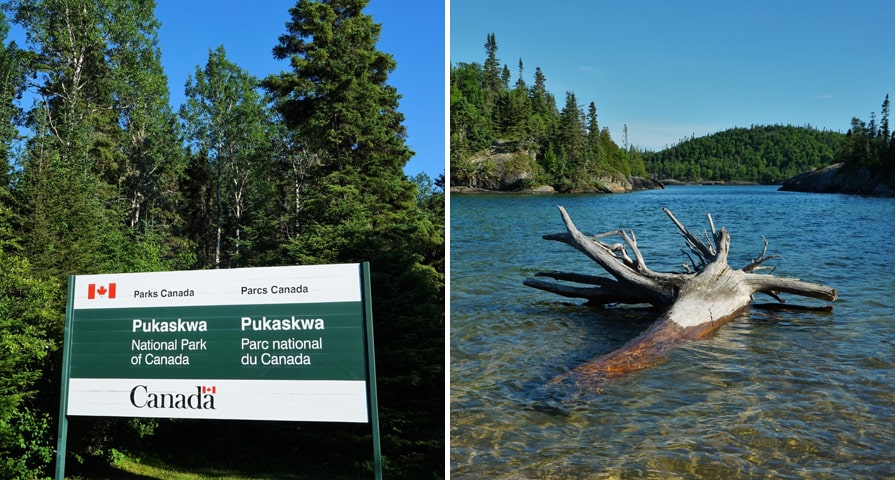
357,205
542,100
12,60
30,328
520,83
491,80
593,133
571,137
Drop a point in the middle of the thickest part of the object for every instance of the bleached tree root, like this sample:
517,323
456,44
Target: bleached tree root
694,303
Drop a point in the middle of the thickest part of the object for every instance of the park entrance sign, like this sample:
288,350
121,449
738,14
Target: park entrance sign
284,343
276,343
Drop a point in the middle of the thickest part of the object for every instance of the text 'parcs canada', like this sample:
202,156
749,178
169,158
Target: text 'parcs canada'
274,289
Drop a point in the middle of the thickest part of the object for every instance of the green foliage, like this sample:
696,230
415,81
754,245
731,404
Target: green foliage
228,126
29,327
763,154
486,110
26,446
103,158
870,144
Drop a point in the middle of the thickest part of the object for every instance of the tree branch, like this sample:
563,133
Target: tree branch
756,263
609,293
625,274
774,285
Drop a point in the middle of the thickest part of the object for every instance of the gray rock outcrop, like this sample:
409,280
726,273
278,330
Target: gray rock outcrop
839,178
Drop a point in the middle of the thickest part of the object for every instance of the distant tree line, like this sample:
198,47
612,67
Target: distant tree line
763,154
103,175
568,147
773,153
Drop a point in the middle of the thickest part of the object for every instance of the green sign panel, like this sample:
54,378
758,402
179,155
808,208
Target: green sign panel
319,341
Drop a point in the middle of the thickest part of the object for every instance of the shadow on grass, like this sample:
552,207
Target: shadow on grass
108,473
153,468
237,450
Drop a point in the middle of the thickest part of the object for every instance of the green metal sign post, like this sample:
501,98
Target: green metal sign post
275,343
371,373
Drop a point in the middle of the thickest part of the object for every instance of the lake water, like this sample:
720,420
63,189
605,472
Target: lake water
769,395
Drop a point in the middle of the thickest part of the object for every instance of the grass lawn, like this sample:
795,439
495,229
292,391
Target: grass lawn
127,467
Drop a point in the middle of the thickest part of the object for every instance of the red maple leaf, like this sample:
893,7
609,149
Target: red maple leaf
101,290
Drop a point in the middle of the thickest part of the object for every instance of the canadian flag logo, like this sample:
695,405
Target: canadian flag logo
102,291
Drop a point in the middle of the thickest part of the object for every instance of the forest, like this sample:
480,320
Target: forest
567,148
763,154
302,167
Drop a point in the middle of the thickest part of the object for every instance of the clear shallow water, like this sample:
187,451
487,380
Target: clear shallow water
770,395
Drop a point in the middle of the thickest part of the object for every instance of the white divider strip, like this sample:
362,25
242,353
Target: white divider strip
238,286
286,400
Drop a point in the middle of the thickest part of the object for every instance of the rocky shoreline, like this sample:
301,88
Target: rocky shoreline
634,184
610,185
839,178
835,178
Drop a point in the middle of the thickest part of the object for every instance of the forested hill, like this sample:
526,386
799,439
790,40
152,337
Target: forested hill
539,144
764,154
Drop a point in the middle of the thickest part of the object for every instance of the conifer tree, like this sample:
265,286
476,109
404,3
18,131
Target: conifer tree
357,205
12,82
491,80
505,78
30,327
571,136
542,100
66,218
593,133
27,321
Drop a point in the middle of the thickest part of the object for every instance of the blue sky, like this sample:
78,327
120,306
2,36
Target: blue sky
413,32
668,70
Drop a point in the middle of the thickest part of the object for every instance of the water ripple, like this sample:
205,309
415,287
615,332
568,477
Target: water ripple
770,395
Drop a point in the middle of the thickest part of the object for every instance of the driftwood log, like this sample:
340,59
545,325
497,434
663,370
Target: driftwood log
694,303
